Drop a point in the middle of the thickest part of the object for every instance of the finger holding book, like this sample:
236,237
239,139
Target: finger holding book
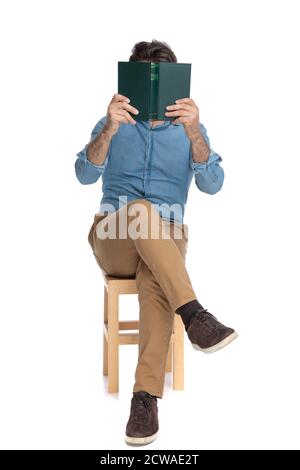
185,112
118,112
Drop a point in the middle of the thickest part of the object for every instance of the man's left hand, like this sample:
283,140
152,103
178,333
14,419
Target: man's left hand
187,113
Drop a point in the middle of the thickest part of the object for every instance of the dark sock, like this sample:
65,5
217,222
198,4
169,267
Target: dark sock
152,396
187,311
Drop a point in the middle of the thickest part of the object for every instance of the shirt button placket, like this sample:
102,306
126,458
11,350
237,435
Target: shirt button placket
146,169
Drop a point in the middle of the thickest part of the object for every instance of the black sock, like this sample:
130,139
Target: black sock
187,311
153,396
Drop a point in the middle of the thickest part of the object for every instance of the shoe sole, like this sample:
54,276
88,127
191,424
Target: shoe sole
217,346
141,440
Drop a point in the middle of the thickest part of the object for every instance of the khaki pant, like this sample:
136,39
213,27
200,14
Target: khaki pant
162,281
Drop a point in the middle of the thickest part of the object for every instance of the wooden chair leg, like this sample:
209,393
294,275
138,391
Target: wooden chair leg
113,340
178,352
169,358
105,352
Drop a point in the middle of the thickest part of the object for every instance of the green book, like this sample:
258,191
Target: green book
151,86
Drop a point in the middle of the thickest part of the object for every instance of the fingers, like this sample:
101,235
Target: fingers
121,118
119,109
123,106
179,112
118,97
129,108
185,107
186,100
122,102
126,115
173,107
183,103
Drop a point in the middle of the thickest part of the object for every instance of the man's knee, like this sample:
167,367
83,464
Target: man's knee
140,207
143,219
143,202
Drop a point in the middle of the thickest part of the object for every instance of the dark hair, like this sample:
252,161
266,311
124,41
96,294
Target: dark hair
154,51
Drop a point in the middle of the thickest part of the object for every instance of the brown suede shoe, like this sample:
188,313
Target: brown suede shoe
142,426
207,334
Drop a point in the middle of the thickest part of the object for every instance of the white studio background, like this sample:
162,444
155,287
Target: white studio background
58,74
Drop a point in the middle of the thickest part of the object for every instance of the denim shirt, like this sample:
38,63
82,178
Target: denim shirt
150,163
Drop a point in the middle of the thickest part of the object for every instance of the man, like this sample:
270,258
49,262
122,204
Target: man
147,167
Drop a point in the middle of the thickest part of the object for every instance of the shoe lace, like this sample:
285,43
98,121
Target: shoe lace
141,407
206,318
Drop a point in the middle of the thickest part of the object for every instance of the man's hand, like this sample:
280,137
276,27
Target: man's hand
188,114
117,112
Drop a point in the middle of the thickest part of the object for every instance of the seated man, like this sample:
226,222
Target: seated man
147,168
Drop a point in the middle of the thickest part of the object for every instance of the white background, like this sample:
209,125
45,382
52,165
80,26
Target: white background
58,74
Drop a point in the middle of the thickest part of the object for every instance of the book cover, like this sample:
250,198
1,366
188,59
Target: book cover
151,86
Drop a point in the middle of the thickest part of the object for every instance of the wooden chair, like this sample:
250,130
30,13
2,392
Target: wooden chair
116,333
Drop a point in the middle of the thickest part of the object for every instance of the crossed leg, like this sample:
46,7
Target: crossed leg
162,280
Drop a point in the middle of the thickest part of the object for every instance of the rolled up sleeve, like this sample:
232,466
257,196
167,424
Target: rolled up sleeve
86,171
209,175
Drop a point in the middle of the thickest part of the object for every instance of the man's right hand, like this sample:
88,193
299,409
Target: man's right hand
117,112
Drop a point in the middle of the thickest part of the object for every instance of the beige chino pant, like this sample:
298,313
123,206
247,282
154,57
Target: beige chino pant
158,264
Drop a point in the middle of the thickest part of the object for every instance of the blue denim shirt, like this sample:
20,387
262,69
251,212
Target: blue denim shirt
150,163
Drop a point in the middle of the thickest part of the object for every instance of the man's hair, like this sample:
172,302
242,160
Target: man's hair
154,51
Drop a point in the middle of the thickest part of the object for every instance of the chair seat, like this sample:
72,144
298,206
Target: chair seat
121,285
